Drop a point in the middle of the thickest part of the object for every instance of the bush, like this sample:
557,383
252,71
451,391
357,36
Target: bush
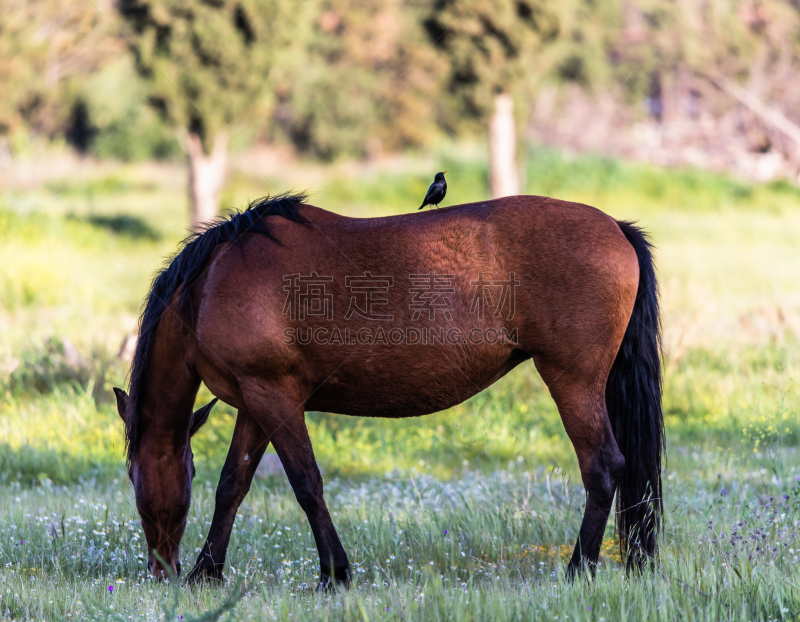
44,368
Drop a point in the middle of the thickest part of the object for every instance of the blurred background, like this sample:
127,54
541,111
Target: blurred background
124,124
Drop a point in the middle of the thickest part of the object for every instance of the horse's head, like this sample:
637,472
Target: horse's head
161,469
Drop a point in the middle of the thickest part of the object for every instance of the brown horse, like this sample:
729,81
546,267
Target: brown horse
284,308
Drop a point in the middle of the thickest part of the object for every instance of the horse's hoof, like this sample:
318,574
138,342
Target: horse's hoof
342,578
202,573
325,586
581,568
573,570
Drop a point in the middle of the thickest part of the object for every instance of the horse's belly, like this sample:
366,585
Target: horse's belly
400,400
409,384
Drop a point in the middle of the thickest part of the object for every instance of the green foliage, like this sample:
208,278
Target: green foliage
127,128
359,79
350,77
43,369
490,45
208,62
46,47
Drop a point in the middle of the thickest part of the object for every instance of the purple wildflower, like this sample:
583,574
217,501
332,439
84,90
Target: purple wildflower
724,492
785,496
387,608
589,608
22,541
445,532
110,589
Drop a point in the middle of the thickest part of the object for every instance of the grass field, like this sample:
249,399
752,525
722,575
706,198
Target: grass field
468,514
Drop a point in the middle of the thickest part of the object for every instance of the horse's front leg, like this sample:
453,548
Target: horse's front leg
293,445
283,417
247,448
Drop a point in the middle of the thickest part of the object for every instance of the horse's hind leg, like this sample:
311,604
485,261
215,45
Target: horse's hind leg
580,397
283,419
247,447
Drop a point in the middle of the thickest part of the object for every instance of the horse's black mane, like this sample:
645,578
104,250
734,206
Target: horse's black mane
183,269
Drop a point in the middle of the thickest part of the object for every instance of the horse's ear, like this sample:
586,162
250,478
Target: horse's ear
122,404
200,416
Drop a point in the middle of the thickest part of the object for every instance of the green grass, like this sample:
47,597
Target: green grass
479,546
76,260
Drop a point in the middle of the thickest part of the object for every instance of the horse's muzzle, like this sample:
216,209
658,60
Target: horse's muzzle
150,568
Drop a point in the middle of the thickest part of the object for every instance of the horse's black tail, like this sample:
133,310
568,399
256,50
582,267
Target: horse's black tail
633,399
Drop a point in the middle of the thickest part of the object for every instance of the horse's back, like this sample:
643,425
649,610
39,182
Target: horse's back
410,314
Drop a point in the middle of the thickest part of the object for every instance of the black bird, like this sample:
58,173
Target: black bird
436,191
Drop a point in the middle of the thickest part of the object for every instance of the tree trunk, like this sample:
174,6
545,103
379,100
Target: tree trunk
503,175
206,178
771,115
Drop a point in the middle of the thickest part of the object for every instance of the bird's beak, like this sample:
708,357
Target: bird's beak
444,172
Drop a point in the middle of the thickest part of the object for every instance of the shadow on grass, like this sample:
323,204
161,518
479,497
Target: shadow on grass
124,224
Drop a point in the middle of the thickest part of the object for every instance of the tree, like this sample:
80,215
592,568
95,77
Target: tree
491,47
749,51
359,79
209,63
45,47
